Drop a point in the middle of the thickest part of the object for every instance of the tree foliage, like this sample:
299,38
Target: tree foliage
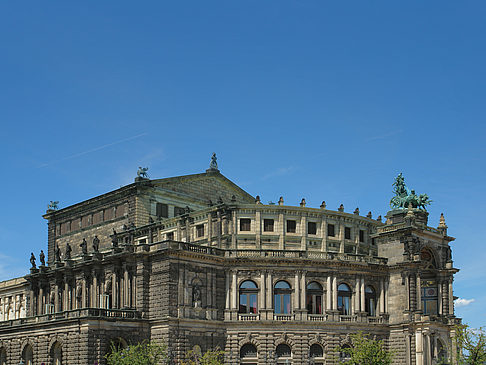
144,353
210,357
365,350
471,345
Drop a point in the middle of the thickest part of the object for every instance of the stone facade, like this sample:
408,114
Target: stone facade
196,262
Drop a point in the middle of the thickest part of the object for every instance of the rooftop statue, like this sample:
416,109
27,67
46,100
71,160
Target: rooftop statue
42,258
32,260
142,172
53,205
405,197
213,164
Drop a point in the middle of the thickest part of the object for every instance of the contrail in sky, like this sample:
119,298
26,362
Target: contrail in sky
92,150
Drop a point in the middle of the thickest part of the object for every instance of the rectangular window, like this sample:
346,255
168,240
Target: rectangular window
330,230
268,225
200,230
161,210
347,233
245,224
120,211
361,235
170,236
108,214
311,228
178,211
291,226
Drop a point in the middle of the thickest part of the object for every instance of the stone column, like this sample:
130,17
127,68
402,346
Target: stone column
328,293
83,294
382,297
341,236
439,297
445,297
281,238
94,292
303,289
419,348
40,301
234,231
303,232
125,288
114,290
262,290
66,296
178,236
324,235
228,293
297,292
31,304
210,228
234,289
419,293
258,229
56,298
451,298
269,290
412,289
362,292
356,296
334,293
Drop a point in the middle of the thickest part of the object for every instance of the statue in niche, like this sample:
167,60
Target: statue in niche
67,256
114,240
32,260
196,296
96,244
42,258
84,247
57,254
79,291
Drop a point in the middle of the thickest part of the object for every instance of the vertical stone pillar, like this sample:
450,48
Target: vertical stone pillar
228,293
234,231
341,235
362,296
56,298
297,291
382,297
258,229
324,235
269,291
334,293
210,228
412,289
303,289
418,348
94,292
66,296
281,238
83,294
451,298
303,232
445,297
31,304
262,290
178,236
114,290
234,289
328,293
357,296
439,297
125,288
419,293
188,230
40,301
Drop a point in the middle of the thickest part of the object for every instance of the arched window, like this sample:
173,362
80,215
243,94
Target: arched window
344,299
429,293
28,355
441,352
56,354
3,356
316,351
248,297
117,344
344,354
314,298
370,301
281,293
248,352
283,352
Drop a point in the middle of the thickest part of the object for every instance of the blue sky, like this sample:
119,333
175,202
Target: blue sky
315,99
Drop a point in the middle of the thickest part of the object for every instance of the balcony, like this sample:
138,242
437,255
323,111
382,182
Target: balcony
98,313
